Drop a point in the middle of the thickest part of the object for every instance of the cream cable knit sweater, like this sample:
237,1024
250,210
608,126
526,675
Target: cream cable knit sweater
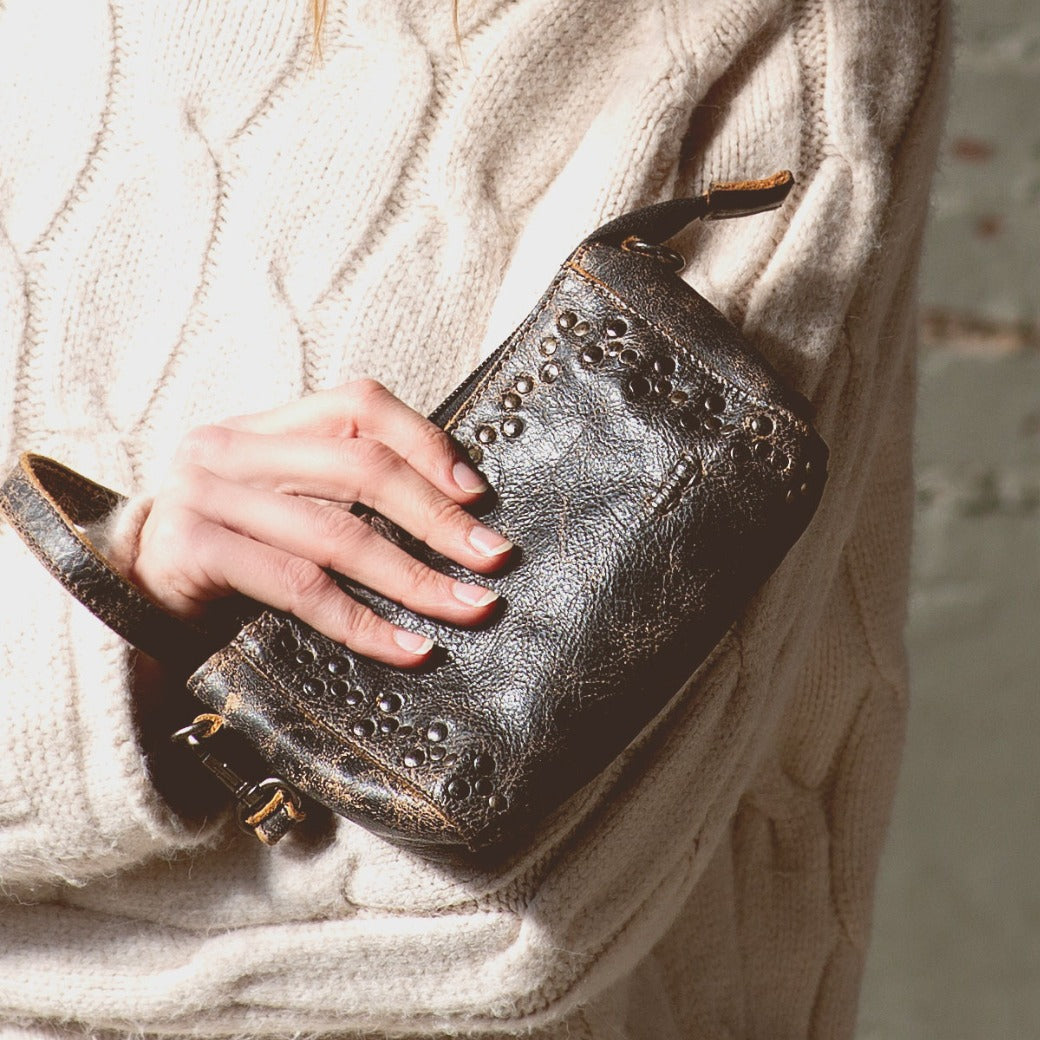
194,221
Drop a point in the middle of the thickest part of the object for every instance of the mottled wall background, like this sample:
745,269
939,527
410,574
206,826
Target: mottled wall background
956,953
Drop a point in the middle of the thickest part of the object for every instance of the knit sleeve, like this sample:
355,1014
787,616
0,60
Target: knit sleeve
76,797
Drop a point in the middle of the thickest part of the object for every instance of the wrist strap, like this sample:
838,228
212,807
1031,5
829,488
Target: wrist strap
48,505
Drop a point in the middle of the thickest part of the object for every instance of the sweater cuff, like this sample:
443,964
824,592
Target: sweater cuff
78,799
118,536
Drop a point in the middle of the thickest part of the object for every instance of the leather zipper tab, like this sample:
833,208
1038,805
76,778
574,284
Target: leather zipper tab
727,199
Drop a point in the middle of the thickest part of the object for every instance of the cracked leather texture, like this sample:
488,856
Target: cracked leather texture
652,472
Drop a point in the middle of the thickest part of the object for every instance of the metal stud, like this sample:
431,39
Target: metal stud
550,372
592,354
690,421
780,460
662,387
712,423
414,757
629,357
476,453
305,656
616,327
498,802
483,764
338,666
677,397
389,703
524,383
511,401
437,752
483,786
314,687
548,346
686,472
436,732
636,386
512,426
340,688
486,434
664,365
714,403
740,453
761,425
567,320
581,329
458,788
364,728
763,449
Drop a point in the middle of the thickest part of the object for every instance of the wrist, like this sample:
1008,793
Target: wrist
118,536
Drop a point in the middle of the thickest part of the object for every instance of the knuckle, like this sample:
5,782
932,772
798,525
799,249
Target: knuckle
418,579
187,483
365,391
303,581
441,513
201,443
437,442
360,625
372,457
334,526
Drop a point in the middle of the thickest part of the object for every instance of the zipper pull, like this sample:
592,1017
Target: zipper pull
725,199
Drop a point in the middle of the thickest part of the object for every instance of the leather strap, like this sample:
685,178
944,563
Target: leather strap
656,224
48,505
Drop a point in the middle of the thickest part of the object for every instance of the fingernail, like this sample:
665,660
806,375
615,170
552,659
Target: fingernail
488,542
468,479
412,642
473,595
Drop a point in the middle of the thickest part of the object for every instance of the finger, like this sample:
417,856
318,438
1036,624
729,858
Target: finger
353,470
332,537
300,587
365,408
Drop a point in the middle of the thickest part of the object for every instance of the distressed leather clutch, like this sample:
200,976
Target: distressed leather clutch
652,471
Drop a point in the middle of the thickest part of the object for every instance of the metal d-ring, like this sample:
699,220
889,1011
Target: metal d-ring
669,258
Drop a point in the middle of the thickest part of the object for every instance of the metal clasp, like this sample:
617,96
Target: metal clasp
256,800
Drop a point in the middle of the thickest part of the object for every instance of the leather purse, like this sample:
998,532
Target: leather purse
652,471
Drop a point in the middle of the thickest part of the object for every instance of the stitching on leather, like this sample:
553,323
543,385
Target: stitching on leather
362,752
513,345
81,592
103,581
612,296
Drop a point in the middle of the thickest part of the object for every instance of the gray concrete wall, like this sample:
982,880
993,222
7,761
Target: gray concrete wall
956,951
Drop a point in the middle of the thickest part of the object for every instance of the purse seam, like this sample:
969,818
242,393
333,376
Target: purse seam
363,753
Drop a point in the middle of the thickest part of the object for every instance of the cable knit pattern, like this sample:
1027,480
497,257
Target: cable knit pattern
198,219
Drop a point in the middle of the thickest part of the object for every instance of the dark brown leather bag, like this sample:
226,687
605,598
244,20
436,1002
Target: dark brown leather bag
652,471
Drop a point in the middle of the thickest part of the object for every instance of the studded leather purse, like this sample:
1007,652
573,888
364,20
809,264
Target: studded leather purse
652,471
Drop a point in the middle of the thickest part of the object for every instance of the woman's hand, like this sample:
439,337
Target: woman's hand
258,504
